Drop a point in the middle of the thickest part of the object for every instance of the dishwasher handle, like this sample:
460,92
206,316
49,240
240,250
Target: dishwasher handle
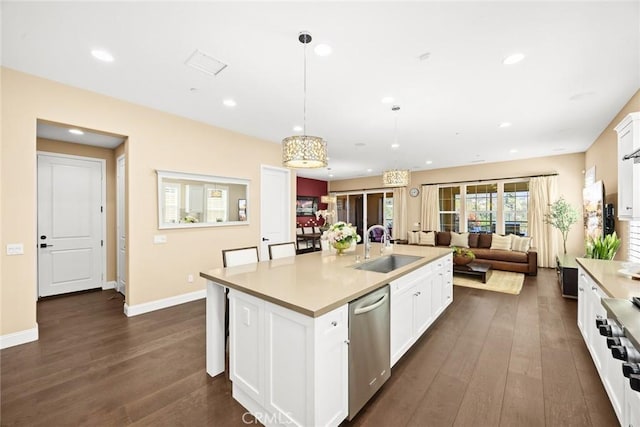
362,310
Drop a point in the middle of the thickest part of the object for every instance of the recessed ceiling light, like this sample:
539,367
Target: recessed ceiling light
513,150
477,161
323,49
359,144
429,162
559,149
330,175
76,131
387,100
297,128
513,59
229,102
395,145
369,170
505,124
193,89
102,55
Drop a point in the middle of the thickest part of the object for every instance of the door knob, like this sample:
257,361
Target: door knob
264,239
44,245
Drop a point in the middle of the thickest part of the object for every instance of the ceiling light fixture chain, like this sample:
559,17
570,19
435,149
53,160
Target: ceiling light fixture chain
396,177
304,151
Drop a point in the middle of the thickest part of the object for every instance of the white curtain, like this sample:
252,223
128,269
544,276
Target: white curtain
400,213
542,192
430,208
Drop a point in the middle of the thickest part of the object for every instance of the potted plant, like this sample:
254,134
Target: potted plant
603,247
562,216
462,256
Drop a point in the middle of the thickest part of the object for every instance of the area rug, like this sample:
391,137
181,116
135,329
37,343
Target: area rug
499,281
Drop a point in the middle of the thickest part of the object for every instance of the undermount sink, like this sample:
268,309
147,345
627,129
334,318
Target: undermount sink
388,263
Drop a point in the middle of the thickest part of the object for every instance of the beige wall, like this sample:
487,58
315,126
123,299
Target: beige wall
156,140
603,154
109,156
569,168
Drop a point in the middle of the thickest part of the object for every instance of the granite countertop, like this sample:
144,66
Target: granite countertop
607,276
316,283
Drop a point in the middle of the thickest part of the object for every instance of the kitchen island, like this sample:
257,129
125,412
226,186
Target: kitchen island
288,342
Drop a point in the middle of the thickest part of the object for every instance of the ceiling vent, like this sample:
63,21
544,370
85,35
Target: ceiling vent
205,63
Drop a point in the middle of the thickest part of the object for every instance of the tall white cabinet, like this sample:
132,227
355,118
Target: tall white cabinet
628,171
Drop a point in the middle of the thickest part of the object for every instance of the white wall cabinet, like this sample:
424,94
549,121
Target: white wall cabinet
288,368
628,172
417,299
632,407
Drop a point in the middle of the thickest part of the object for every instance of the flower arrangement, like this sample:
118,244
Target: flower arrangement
189,219
341,235
326,214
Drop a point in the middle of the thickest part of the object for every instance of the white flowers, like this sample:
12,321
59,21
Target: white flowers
324,213
341,232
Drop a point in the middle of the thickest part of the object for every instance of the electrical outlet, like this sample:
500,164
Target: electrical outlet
159,238
190,278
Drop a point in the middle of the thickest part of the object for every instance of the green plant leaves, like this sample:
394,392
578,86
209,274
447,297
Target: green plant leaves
603,247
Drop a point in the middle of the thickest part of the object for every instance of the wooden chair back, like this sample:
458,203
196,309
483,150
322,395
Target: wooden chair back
239,256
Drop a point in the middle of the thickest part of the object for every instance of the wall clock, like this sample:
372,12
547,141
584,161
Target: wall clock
414,192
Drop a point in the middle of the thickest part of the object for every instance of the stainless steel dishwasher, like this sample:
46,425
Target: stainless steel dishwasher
369,359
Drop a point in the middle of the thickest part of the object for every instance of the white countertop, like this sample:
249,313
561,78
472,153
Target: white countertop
317,282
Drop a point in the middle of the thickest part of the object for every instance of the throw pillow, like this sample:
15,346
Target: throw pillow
460,240
413,237
501,242
427,238
520,244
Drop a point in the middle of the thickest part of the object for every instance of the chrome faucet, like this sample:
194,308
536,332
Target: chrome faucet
367,243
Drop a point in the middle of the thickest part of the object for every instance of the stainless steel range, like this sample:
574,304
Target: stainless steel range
622,331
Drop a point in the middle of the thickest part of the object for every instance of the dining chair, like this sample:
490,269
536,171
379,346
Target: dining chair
282,250
234,258
299,238
239,256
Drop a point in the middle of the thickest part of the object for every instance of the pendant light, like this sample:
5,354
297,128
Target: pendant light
396,177
304,151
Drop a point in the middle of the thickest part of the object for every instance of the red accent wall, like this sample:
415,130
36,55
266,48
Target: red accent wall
313,188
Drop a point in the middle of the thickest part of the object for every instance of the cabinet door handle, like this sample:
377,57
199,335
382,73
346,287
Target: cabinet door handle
334,323
347,342
581,289
593,288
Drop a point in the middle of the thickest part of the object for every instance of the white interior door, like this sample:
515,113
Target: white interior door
121,227
70,223
275,207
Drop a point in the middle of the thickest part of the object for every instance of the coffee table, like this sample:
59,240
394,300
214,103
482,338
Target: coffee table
478,269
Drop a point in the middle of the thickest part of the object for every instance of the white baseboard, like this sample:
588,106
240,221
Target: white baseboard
134,310
20,337
109,285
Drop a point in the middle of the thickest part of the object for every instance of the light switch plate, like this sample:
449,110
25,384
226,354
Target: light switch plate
15,249
159,238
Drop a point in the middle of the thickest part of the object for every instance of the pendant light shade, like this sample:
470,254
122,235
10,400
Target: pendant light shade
304,151
396,178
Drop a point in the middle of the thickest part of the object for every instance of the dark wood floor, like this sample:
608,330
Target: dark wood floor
492,360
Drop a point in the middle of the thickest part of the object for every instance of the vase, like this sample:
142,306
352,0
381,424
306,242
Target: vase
340,247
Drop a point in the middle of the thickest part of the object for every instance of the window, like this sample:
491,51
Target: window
492,207
387,211
216,204
449,209
634,241
515,208
171,203
481,208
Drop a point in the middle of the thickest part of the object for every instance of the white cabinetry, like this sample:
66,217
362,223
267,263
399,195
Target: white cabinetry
628,172
288,368
417,299
610,370
632,407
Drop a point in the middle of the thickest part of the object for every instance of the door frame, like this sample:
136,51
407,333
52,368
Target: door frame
121,199
289,211
103,203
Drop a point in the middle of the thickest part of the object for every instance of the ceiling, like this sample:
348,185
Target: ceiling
581,65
